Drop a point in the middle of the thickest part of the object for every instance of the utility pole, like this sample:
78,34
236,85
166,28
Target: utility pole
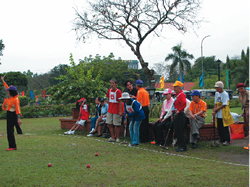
202,60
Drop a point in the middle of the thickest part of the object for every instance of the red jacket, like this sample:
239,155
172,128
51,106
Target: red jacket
180,102
84,112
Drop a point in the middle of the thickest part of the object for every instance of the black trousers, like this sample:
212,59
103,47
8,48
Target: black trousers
179,122
158,128
18,129
223,131
11,122
144,127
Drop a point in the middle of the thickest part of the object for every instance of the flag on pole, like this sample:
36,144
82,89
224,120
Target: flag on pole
31,94
43,93
201,81
162,82
227,77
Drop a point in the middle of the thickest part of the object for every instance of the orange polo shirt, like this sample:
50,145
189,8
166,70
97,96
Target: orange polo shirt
197,107
13,103
142,97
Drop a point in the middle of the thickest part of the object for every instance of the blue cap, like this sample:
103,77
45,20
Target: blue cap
139,82
195,92
12,88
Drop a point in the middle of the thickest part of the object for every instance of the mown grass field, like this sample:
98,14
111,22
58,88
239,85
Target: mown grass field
116,165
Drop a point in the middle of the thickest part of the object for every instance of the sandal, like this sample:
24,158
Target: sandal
99,135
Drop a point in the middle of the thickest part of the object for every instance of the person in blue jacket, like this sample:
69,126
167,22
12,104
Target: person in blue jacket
133,109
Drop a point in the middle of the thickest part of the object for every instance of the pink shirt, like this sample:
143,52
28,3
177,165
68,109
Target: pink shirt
166,107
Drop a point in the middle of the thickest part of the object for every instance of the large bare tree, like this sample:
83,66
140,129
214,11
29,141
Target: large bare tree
134,20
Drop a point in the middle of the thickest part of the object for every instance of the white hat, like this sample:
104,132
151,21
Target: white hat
125,95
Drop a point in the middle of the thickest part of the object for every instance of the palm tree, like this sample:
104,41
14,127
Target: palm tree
180,59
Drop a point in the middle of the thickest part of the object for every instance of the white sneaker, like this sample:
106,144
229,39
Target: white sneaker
67,132
72,132
117,140
90,135
92,131
131,145
174,142
111,140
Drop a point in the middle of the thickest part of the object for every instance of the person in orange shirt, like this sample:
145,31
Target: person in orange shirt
197,111
143,98
13,113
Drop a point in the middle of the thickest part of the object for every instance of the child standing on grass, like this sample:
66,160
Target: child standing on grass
13,113
114,115
84,115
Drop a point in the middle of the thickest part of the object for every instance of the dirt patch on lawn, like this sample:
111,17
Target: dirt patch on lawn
235,158
239,158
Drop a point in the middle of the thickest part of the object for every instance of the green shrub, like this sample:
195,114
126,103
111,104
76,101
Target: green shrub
233,103
23,100
155,111
43,111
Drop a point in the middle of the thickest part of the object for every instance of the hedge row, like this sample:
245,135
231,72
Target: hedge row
43,111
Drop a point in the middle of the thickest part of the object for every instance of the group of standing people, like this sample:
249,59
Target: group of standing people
136,102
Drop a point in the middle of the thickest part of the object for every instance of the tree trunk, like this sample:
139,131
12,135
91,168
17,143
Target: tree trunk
148,72
144,65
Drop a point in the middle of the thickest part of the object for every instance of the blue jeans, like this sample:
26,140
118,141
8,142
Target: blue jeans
134,127
93,121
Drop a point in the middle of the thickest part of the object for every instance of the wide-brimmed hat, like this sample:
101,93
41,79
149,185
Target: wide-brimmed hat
82,99
195,92
167,91
12,88
219,84
178,83
125,95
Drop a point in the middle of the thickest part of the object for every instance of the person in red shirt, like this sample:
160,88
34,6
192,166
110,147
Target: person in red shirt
114,116
84,115
13,113
179,118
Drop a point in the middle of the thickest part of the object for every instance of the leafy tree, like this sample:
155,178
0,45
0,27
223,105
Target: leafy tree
180,59
16,79
240,71
2,46
56,72
78,83
133,21
107,67
210,67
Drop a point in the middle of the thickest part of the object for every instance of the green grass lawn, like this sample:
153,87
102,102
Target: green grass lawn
116,165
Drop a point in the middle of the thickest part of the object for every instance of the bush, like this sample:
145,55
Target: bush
155,111
23,100
233,103
43,111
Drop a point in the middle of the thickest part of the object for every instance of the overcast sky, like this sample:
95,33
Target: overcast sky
38,35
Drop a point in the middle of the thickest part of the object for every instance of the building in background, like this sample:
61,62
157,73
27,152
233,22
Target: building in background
132,64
